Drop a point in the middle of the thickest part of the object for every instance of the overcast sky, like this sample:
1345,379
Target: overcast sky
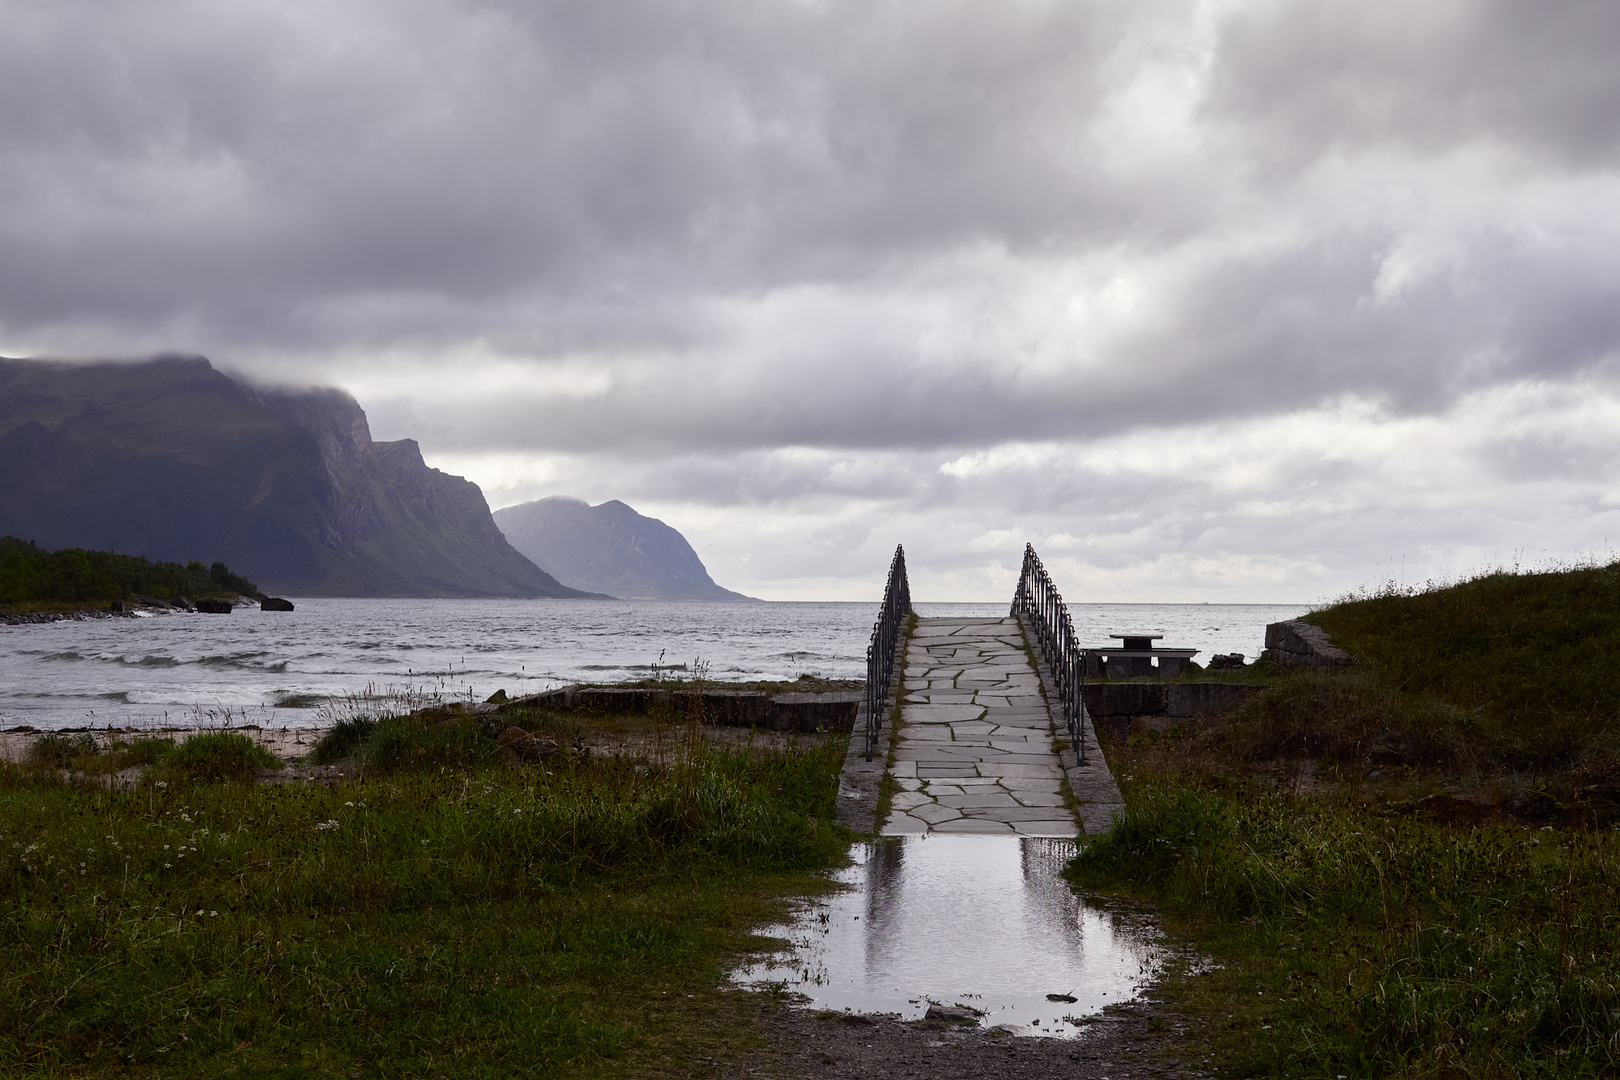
1213,301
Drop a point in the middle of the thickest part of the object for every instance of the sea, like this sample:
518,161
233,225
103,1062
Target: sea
329,657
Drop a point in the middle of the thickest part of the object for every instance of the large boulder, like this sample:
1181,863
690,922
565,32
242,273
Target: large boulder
526,746
275,603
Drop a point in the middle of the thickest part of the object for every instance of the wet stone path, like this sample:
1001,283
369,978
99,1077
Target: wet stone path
974,750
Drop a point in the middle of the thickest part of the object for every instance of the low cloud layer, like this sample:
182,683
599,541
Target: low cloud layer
1210,300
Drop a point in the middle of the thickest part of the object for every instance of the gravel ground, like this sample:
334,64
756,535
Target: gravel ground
1140,1039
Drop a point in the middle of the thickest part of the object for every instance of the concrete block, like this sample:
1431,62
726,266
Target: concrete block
810,712
1125,699
1206,699
724,708
619,700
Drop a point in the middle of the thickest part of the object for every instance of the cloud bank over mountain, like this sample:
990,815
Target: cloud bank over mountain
1210,300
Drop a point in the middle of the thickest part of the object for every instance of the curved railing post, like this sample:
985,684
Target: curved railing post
880,653
1038,598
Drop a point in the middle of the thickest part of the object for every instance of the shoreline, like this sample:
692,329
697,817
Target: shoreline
288,744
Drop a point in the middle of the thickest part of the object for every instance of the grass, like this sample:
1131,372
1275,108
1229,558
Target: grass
395,743
215,755
1529,662
1406,867
1363,946
438,916
83,753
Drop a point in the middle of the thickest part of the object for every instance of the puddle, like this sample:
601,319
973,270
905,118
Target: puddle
981,921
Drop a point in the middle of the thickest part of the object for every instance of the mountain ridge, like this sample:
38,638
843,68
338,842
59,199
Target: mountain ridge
174,460
610,548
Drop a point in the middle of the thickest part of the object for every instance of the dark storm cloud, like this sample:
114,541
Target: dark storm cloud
1314,76
473,152
564,178
796,254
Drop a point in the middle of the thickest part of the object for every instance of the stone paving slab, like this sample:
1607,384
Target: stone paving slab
974,750
974,825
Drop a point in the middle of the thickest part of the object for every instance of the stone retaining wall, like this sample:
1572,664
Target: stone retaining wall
1297,644
726,708
1120,708
1166,699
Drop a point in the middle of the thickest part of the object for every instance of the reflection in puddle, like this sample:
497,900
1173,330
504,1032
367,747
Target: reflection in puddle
973,920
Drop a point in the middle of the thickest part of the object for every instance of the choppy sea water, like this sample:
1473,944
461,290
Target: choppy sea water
280,669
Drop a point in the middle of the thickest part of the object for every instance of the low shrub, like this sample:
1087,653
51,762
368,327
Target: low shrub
63,751
215,755
343,741
142,750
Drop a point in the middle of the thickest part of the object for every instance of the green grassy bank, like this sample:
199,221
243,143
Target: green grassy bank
451,912
1408,867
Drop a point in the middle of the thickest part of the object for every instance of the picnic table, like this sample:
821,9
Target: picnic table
1134,655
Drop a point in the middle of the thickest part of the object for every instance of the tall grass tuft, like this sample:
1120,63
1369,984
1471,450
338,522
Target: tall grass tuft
141,750
62,751
343,740
215,755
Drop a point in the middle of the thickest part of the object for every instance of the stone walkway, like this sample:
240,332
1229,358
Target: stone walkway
974,752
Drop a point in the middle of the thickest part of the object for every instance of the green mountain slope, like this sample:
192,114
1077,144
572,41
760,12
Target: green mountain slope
172,460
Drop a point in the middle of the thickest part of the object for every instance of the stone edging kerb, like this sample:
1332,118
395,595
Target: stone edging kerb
1093,783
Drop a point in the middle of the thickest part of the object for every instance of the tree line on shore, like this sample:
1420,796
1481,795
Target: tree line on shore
30,575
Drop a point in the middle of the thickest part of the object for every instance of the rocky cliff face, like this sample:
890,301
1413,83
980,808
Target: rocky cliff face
611,549
173,460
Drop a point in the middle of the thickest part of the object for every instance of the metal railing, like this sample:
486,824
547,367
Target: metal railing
1038,598
880,654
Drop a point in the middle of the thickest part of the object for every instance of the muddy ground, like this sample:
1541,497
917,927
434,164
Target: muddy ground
1138,1039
